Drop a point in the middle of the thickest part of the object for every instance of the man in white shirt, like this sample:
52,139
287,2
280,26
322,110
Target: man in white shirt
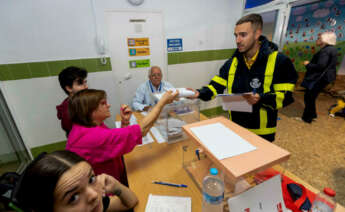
142,100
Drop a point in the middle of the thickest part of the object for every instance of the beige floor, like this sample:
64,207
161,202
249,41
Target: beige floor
318,149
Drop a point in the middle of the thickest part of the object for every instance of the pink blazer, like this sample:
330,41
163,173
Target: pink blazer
103,147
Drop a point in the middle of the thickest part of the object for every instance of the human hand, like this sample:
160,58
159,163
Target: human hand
306,62
196,93
252,98
169,96
108,183
125,113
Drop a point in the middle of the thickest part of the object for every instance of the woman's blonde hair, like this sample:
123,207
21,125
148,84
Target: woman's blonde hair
329,38
83,103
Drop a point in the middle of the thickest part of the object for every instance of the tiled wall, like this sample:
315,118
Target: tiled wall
49,68
53,68
199,56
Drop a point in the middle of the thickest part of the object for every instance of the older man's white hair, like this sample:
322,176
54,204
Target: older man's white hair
153,67
329,38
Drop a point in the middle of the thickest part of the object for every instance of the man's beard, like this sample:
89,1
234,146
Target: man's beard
251,46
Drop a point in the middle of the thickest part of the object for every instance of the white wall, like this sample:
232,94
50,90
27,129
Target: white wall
57,30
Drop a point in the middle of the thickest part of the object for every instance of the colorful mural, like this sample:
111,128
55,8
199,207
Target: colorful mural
307,22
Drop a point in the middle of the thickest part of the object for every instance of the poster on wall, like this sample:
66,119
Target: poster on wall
138,42
306,23
139,63
138,52
174,45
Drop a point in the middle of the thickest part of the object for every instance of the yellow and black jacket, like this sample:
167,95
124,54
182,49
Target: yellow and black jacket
273,75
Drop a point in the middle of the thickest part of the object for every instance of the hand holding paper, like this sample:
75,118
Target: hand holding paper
236,102
252,98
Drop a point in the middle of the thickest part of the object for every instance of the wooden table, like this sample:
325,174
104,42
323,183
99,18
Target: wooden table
164,162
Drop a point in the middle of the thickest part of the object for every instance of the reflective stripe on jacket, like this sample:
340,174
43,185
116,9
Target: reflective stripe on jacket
262,129
275,77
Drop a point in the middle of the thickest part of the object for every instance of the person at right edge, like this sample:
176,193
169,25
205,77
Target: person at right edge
321,71
255,67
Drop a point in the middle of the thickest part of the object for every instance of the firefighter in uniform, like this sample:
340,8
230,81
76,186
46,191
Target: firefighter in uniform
255,67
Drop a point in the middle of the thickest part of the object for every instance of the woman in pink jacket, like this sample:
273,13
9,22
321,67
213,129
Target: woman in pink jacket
101,146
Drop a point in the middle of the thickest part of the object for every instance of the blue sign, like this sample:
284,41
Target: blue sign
174,45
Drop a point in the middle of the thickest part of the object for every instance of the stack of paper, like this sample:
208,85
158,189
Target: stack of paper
235,102
221,141
158,203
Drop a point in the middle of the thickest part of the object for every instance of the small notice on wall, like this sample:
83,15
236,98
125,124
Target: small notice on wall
139,63
174,45
139,51
138,42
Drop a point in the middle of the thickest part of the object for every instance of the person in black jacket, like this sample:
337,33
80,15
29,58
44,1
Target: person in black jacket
256,68
321,71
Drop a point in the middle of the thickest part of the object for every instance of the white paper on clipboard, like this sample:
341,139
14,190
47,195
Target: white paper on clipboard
235,102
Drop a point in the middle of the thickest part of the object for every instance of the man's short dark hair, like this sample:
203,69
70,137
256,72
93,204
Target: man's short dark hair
68,75
255,19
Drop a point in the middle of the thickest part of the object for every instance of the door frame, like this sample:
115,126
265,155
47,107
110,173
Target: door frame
164,35
164,65
16,140
284,9
283,13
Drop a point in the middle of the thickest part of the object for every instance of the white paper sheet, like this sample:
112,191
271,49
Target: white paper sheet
146,140
235,102
132,120
155,132
158,203
221,141
144,113
265,197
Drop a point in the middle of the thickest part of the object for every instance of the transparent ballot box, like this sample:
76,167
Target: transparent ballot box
198,166
174,116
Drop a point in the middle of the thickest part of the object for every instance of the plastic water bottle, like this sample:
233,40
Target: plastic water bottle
324,202
213,192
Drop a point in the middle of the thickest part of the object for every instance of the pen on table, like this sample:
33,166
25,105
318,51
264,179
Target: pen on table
170,184
197,152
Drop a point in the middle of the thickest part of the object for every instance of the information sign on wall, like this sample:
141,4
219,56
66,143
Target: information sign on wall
139,63
174,45
138,42
139,51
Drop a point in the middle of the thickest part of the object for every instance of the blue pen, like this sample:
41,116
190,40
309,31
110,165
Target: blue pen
197,152
170,184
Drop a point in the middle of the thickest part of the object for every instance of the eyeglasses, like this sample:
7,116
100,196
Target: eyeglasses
156,75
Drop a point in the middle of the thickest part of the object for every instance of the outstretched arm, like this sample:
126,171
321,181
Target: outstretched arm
150,119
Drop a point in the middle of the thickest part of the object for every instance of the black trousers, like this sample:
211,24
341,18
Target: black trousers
309,101
269,137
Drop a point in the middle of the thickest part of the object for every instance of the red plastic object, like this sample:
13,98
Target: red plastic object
329,192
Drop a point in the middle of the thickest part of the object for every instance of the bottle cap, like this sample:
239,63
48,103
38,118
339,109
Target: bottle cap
213,171
329,192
